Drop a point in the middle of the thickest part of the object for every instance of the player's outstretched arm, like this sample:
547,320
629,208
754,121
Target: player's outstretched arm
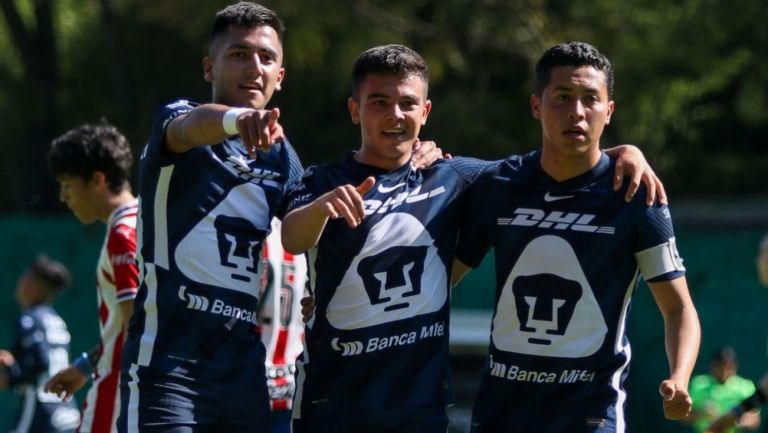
682,335
211,123
303,226
6,361
630,162
66,382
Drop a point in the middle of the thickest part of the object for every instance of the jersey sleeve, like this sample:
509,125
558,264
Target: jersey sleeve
295,173
471,169
305,191
121,247
154,146
474,237
655,248
30,351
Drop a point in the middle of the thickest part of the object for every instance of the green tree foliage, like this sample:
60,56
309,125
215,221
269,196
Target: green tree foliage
691,76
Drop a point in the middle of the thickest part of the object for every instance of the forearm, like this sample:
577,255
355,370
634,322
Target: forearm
302,228
200,127
682,339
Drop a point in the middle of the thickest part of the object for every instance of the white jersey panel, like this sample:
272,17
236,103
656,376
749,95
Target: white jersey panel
393,298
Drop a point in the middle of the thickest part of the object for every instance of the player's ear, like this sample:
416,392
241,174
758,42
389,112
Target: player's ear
99,179
536,106
208,69
354,110
280,78
427,109
611,109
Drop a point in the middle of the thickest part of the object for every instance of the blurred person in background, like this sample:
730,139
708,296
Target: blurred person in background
762,261
92,164
758,398
40,349
716,392
283,278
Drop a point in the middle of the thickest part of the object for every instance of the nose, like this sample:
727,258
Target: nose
576,111
397,112
254,66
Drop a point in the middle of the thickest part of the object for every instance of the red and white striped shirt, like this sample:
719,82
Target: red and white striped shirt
282,331
117,276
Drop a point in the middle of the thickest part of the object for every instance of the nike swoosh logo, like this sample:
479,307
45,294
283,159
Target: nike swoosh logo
549,198
385,189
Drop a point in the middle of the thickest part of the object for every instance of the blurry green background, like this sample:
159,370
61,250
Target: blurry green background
691,91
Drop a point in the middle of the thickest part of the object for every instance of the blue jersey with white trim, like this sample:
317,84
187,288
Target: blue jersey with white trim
41,349
379,336
203,218
567,255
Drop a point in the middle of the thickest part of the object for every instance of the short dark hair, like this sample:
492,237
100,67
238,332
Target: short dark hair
89,148
54,275
571,54
724,354
388,59
246,15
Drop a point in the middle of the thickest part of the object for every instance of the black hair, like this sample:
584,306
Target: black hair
246,15
54,275
388,59
571,54
89,148
724,354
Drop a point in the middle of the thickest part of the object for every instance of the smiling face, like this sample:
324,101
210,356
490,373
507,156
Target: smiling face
244,66
573,108
390,109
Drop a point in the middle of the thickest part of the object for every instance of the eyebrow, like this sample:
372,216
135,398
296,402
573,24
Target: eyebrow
239,46
385,96
571,89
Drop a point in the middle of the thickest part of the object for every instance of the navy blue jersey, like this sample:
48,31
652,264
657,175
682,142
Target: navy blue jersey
379,337
41,349
203,218
568,256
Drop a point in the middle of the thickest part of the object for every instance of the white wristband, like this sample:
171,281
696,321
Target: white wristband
229,121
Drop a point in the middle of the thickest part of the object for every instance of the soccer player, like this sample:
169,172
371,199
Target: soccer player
193,359
761,261
92,165
568,252
284,277
375,356
717,391
212,178
40,348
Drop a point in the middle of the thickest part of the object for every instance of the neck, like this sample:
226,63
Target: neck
562,167
113,202
379,161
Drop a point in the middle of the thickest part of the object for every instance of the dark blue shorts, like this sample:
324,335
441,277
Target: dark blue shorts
407,420
175,404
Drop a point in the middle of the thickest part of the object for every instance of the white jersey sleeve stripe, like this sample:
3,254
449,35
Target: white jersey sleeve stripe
132,418
161,217
150,321
659,260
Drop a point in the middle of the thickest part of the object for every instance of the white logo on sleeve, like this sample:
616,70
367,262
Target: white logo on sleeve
397,275
547,306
